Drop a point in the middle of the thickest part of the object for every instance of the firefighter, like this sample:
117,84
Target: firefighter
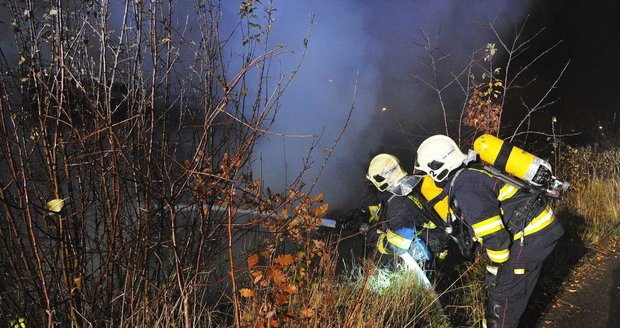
401,205
515,226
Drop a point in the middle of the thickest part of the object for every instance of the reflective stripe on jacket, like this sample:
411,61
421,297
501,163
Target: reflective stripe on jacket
403,215
487,204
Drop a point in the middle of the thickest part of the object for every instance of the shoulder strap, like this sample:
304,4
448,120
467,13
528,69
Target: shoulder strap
456,175
427,208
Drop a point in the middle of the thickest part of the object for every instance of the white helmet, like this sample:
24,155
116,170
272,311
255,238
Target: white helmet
384,171
438,156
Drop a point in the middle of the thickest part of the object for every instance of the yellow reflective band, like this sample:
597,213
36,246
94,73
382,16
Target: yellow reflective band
429,225
519,271
498,256
416,201
397,240
374,212
488,226
481,171
381,244
538,223
506,192
492,269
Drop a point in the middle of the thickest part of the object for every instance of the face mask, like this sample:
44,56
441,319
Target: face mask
405,185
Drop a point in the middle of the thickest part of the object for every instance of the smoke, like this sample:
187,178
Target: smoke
361,54
366,53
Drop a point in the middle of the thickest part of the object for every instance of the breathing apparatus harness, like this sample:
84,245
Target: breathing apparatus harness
459,230
462,233
522,215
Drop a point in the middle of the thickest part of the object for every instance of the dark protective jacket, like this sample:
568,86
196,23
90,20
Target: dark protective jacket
494,211
406,219
517,229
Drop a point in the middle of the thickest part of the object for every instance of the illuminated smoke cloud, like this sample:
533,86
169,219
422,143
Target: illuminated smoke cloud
376,42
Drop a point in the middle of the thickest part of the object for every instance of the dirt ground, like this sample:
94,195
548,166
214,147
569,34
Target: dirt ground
591,298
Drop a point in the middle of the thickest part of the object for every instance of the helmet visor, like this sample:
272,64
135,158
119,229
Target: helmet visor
405,185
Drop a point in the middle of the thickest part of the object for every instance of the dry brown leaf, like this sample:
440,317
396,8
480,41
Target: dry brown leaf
281,299
267,252
78,282
252,260
319,244
274,323
307,313
320,211
258,278
246,292
289,289
278,277
284,260
319,198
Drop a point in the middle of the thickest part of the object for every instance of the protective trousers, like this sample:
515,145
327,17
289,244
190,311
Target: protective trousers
518,276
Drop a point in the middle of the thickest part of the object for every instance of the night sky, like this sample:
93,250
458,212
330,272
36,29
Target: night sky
589,31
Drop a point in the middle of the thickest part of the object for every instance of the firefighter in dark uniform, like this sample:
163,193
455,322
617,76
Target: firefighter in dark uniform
401,205
515,227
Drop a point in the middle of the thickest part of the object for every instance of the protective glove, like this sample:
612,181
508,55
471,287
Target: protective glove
438,247
354,219
437,243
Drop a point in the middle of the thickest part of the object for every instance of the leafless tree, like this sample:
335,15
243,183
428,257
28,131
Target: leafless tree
488,80
127,134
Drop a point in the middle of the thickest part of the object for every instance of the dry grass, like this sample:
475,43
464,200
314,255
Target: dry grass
595,192
589,213
329,302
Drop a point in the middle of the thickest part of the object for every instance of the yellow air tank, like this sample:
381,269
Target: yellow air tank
513,160
430,191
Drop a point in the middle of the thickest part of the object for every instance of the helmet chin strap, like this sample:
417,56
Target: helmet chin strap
405,185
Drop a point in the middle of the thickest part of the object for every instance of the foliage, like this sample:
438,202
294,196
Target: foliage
489,85
275,278
292,281
483,108
126,148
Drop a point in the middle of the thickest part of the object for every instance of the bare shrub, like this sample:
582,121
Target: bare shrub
139,125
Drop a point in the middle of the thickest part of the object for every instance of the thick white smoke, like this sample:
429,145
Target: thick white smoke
373,47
